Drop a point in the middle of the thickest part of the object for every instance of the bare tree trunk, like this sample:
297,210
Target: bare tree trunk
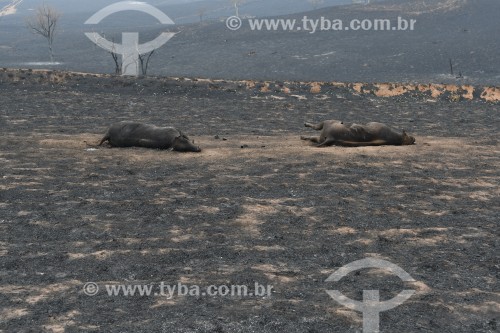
236,4
118,67
44,23
51,52
201,13
145,64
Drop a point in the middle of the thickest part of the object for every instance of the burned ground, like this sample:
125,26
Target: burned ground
277,211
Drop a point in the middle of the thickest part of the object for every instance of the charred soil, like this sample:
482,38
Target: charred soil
256,205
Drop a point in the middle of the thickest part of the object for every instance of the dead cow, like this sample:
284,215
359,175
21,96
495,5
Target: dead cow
335,132
130,134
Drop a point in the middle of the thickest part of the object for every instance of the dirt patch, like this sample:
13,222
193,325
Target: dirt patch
257,205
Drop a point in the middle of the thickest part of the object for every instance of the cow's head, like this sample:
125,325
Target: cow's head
182,144
408,139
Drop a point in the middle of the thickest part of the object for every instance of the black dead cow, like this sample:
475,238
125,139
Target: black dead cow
130,134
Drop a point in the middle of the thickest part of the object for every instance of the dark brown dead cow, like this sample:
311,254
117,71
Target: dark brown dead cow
335,132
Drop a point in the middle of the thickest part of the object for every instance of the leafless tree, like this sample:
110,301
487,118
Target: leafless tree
118,65
201,13
144,62
114,55
237,4
44,23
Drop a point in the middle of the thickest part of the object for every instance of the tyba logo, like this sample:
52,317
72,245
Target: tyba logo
371,306
130,49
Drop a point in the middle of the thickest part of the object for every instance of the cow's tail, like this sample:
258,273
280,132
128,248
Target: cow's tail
104,139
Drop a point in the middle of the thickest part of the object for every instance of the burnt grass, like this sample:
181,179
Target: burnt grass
277,211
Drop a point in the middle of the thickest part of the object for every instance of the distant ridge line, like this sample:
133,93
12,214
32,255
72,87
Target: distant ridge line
277,89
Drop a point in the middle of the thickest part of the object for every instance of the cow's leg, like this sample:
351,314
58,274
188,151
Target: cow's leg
317,127
328,142
378,142
314,139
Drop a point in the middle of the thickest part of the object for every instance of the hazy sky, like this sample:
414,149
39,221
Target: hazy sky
255,7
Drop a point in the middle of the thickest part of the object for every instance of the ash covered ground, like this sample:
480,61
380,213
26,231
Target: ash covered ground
278,211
